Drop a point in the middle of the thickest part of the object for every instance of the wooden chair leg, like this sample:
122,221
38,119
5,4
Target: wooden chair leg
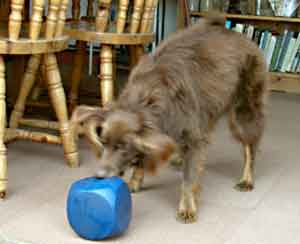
106,74
76,75
26,86
132,56
139,52
114,62
3,161
19,65
135,53
39,87
58,100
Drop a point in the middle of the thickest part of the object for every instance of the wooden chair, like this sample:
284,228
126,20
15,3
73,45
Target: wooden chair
134,30
41,41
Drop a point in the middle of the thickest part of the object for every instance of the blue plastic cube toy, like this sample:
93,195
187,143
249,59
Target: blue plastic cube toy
99,208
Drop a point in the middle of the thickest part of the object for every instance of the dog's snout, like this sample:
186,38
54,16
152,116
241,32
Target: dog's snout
106,172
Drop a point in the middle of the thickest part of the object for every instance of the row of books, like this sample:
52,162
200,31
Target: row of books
282,51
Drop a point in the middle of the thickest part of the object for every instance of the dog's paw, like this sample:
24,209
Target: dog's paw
134,186
187,216
187,210
244,186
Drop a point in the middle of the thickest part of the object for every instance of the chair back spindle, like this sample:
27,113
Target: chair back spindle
62,15
122,15
151,21
90,8
76,9
15,19
136,15
52,18
148,16
36,19
103,15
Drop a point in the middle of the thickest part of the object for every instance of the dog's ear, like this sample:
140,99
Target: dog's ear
158,148
84,113
91,118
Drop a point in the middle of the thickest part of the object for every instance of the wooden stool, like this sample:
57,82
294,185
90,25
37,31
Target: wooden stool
134,30
42,43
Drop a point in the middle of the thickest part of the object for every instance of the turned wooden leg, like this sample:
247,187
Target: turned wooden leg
139,52
106,75
26,86
76,74
114,62
58,99
135,52
3,162
40,84
19,67
132,56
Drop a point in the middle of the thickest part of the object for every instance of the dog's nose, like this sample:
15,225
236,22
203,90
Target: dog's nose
106,172
102,173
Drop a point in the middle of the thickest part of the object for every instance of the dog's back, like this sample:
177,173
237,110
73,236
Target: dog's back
200,72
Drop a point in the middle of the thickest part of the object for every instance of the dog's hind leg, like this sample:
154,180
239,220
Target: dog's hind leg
247,128
247,120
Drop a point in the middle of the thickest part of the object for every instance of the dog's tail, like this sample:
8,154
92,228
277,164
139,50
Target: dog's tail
215,18
210,21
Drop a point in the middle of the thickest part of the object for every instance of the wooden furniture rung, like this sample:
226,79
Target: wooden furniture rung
15,134
44,124
39,123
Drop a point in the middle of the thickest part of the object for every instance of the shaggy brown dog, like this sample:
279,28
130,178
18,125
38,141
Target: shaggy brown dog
172,102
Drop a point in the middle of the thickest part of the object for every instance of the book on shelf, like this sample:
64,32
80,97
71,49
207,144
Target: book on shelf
269,52
276,52
293,54
257,36
228,24
296,60
250,31
287,56
239,28
281,51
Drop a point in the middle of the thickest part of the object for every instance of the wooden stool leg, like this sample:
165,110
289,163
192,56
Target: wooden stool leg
3,162
106,74
26,86
132,56
58,99
76,75
139,52
39,87
135,52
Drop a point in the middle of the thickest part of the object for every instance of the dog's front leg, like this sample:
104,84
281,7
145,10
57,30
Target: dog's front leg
137,178
192,169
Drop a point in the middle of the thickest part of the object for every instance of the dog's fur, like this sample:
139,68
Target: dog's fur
172,102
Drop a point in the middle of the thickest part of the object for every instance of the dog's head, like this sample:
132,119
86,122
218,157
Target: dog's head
123,140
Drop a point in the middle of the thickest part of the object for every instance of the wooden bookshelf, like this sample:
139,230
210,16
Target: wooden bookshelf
238,17
285,82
